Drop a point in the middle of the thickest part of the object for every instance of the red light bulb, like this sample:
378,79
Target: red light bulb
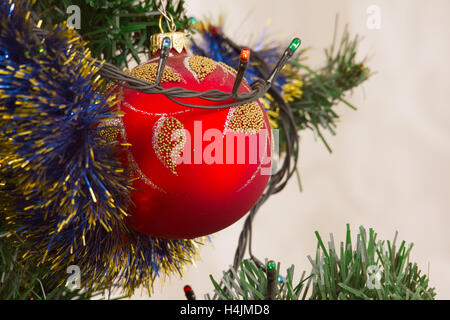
245,55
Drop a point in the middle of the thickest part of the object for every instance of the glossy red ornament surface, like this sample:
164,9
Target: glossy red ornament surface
194,199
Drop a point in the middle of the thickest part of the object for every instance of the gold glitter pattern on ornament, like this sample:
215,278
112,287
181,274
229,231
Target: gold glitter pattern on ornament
109,135
169,139
202,66
248,119
111,130
148,73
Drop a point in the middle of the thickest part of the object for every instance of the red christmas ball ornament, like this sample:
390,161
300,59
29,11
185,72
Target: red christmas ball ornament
197,170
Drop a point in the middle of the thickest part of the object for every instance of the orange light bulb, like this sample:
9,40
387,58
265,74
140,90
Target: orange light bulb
245,55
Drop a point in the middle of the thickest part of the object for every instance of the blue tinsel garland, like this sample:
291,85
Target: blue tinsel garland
69,188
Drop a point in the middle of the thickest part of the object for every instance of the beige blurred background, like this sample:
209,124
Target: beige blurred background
390,166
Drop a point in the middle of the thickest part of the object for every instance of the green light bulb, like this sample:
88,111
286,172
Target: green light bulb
271,265
295,44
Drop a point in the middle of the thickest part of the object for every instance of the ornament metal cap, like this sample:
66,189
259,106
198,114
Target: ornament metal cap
178,40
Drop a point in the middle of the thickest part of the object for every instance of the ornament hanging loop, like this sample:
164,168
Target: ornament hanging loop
169,21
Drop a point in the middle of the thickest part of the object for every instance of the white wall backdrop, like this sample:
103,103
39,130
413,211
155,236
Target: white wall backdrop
390,167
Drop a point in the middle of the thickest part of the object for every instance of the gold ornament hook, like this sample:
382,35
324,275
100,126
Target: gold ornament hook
178,40
169,20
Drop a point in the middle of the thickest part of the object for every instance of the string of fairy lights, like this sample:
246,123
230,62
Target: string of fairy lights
228,99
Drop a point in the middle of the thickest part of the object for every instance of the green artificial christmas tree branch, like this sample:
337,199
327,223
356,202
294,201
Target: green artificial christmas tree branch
117,31
323,88
368,270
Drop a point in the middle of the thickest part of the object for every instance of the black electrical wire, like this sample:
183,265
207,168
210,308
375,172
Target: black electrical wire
271,280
